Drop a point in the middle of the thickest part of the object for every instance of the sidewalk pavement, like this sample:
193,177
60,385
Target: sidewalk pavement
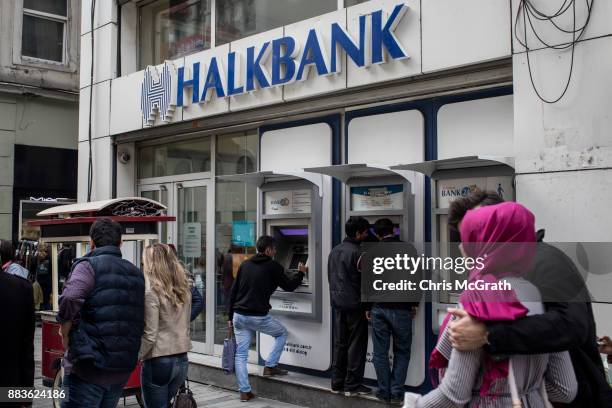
205,395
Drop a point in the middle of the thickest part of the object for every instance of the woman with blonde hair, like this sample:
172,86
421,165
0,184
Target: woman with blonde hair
165,341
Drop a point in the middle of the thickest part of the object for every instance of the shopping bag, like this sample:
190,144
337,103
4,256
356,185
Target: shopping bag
229,353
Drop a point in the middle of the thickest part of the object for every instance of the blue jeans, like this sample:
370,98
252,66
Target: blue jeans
244,327
387,324
79,393
161,378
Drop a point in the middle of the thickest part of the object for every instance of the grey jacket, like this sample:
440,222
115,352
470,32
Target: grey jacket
166,329
344,276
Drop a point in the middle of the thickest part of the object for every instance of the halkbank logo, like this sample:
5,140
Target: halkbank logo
158,94
290,62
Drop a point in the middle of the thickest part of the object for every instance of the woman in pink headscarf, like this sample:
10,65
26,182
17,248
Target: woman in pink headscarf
503,237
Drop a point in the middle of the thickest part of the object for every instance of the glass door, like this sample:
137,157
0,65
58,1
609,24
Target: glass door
192,236
194,243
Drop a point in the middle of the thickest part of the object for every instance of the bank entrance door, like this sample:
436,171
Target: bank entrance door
192,203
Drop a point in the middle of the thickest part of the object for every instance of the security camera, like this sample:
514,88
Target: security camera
124,157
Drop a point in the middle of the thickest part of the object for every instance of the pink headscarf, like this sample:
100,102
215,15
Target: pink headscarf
503,235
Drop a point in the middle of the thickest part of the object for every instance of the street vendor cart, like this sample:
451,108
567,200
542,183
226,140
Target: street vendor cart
65,225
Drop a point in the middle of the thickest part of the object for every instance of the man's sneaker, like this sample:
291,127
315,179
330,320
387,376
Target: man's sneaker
272,371
382,396
246,396
361,390
397,400
339,390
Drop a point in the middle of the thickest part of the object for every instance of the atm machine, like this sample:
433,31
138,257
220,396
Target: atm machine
450,179
378,191
293,208
291,214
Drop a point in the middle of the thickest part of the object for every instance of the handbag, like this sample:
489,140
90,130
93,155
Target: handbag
184,397
228,359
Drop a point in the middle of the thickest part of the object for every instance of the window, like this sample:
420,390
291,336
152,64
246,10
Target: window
241,18
192,156
170,29
349,3
237,153
235,216
43,34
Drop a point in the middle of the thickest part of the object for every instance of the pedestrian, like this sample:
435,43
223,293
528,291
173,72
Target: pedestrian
567,324
257,278
503,238
17,340
391,321
7,260
43,276
166,341
101,312
350,325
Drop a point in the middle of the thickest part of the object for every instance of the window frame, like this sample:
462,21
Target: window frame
70,38
140,54
213,27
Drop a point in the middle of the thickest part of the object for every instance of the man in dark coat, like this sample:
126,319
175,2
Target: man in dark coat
101,312
392,320
568,323
17,340
257,279
350,326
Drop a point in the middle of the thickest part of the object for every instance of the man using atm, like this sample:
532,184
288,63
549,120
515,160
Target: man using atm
249,307
350,324
391,320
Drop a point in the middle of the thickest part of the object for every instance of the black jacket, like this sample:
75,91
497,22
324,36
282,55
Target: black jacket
565,326
108,336
17,340
417,278
344,276
256,280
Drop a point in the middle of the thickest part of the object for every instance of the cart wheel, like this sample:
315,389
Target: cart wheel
138,396
57,387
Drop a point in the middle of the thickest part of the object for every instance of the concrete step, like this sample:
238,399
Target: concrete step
295,388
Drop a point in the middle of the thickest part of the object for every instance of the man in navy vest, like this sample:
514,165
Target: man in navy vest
101,312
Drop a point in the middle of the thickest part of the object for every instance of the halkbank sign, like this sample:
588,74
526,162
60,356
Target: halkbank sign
165,87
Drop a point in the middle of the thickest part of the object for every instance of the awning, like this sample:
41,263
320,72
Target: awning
97,207
429,168
345,172
259,178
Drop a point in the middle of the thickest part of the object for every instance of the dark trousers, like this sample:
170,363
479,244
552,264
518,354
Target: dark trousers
350,348
161,378
390,324
80,393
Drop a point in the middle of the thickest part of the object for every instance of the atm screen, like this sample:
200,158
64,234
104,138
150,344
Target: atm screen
291,245
296,259
293,231
396,231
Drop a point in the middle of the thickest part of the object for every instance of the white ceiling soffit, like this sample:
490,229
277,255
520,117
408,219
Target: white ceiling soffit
345,172
428,168
259,178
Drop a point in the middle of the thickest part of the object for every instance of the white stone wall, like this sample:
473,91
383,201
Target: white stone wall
105,69
564,150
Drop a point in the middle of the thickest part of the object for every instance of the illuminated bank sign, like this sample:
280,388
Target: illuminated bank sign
290,62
